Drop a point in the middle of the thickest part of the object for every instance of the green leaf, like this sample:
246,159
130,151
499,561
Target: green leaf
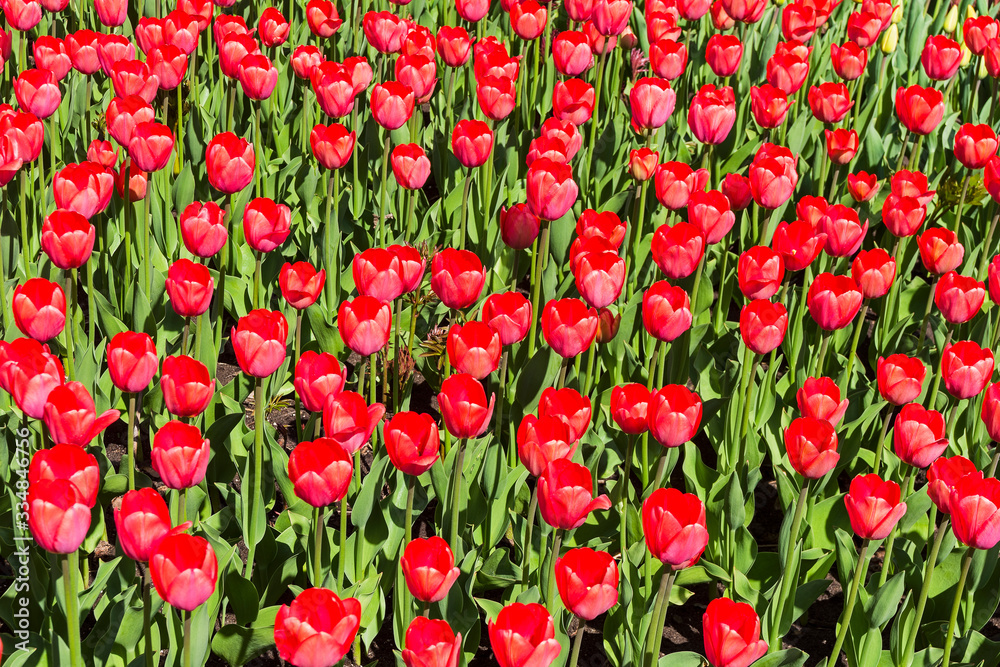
884,604
791,657
682,659
238,645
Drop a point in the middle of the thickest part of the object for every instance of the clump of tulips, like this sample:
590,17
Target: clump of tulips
457,331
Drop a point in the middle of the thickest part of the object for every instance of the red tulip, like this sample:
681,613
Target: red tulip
966,368
600,277
863,28
26,133
187,388
33,374
320,471
457,277
474,348
523,635
180,455
759,272
259,340
873,271
22,15
58,516
412,266
471,142
518,226
769,105
841,145
873,506
990,413
392,104
772,176
71,418
573,100
588,582
190,287
67,239
666,311
566,495
203,228
334,88
568,405
723,54
184,571
911,184
941,57
676,181
318,376
136,179
349,421
611,17
900,378
322,17
496,96
677,250
811,444
569,326
862,186
959,298
410,166
675,528
266,224
940,250
712,114
122,116
833,301
364,324
273,28
787,71
527,19
37,91
991,174
642,164
849,60
918,435
332,145
763,325
419,73
551,189
975,145
454,45
509,314
141,523
571,53
51,54
975,511
133,77
301,284
412,442
230,163
39,309
652,102
69,462
111,49
429,568
431,643
674,415
542,440
830,102
943,475
317,628
132,361
377,274
629,407
83,188
710,212
151,145
797,243
463,405
732,634
919,109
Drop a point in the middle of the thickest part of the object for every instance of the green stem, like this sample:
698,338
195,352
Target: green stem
411,487
633,247
574,657
595,116
132,444
719,312
922,331
924,591
626,487
456,495
821,357
298,353
526,551
187,639
932,401
961,205
590,368
329,250
318,547
858,326
655,636
342,555
256,281
258,462
852,597
788,577
147,637
550,593
880,445
541,250
70,570
959,590
465,210
70,325
381,196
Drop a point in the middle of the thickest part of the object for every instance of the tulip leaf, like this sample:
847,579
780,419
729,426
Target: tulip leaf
791,657
885,602
238,645
682,659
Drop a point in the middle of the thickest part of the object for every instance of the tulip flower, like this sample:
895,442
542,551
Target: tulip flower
732,634
568,405
666,311
39,309
873,271
32,378
429,568
966,368
811,445
332,145
943,476
454,45
322,17
820,398
918,435
58,515
187,388
180,455
769,105
509,314
712,114
900,378
587,582
674,415
759,272
377,273
230,163
629,406
940,250
364,324
184,571
320,471
318,376
431,643
474,348
975,145
142,522
959,298
919,109
551,189
676,181
71,418
83,188
301,284
566,496
190,287
69,462
652,102
317,628
410,166
273,28
259,341
132,361
542,440
873,506
678,250
833,301
67,239
862,186
763,325
457,277
349,421
523,635
203,228
412,442
642,164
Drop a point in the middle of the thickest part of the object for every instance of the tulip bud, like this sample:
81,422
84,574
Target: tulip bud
889,39
951,19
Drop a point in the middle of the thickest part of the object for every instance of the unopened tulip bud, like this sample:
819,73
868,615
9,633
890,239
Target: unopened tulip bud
982,72
966,56
970,12
889,39
897,14
951,19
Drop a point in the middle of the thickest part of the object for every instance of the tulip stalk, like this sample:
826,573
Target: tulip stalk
465,210
658,619
298,353
961,205
931,401
880,445
788,577
70,570
574,657
187,639
130,462
852,597
858,326
538,263
633,247
68,328
147,605
922,331
550,592
456,495
924,591
381,196
891,541
626,487
953,619
342,555
594,116
25,236
258,464
318,547
529,528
